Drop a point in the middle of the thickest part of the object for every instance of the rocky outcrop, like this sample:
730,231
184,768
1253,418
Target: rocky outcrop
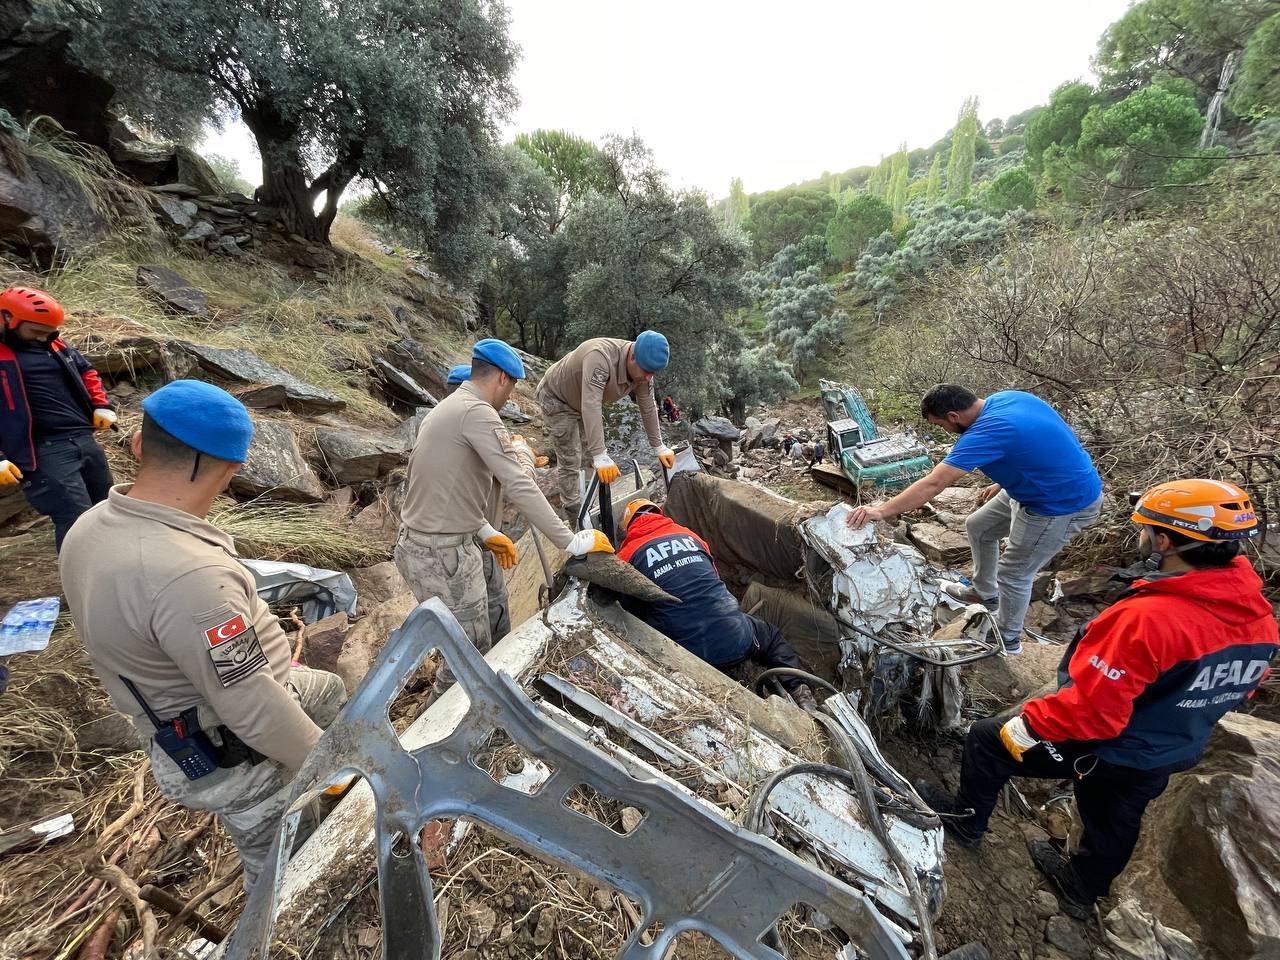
65,90
277,387
42,212
760,433
357,456
400,387
276,468
1209,855
172,291
421,363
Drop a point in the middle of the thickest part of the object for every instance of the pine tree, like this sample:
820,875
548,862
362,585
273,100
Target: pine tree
933,186
964,144
898,182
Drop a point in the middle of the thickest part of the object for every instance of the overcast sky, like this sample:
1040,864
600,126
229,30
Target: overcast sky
776,91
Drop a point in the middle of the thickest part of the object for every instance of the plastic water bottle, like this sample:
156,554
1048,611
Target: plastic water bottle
47,615
30,633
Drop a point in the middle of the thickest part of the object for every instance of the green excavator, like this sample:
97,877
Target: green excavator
860,456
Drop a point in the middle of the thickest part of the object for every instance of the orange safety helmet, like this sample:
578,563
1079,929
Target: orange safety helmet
634,507
1208,510
29,305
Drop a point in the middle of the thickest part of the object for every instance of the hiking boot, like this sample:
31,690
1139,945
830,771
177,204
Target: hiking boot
805,699
955,819
1056,867
965,593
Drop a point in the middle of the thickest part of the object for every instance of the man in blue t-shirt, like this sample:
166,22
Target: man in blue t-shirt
1046,490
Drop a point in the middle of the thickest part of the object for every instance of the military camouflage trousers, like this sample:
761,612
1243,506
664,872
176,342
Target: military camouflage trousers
564,424
249,799
466,576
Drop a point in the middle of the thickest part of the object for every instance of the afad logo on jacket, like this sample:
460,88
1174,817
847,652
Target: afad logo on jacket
1234,673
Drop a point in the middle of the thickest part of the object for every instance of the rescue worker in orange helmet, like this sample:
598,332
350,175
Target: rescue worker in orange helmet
1139,689
51,402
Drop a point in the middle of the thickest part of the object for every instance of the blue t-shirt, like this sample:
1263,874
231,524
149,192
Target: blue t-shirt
1021,443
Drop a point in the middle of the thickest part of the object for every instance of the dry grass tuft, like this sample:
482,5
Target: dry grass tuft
299,533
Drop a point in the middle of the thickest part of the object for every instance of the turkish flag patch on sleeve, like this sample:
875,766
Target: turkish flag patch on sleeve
225,631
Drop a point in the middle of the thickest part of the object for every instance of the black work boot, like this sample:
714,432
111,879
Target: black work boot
1051,862
955,819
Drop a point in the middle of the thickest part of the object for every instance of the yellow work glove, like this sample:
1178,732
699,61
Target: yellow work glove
104,419
606,469
9,473
666,456
525,452
589,541
500,545
1017,738
339,788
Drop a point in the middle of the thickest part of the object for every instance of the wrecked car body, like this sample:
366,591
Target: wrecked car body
588,701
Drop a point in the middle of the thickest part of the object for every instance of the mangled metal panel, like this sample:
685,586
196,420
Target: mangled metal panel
734,889
875,583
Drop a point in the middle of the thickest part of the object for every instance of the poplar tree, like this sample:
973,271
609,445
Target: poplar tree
933,185
964,143
898,182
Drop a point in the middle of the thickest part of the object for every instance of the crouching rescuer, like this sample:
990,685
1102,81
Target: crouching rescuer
51,402
177,633
1140,689
707,621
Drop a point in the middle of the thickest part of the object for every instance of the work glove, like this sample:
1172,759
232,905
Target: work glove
339,788
104,419
526,454
500,545
9,473
1017,737
589,541
666,456
606,469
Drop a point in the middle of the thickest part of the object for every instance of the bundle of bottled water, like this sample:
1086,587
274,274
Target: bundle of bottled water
28,625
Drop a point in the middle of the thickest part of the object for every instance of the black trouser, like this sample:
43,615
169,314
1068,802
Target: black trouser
1111,799
770,649
71,475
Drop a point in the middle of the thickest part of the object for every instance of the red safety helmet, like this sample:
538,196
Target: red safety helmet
29,305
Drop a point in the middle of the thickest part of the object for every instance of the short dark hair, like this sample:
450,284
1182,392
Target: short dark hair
947,398
483,369
1208,555
160,448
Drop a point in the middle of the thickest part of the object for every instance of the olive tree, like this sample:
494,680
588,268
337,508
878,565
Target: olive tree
405,94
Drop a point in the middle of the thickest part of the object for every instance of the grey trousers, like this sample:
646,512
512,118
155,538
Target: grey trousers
1034,540
250,799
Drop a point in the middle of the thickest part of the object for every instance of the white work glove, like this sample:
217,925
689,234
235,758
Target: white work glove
666,456
1017,738
588,541
500,545
606,469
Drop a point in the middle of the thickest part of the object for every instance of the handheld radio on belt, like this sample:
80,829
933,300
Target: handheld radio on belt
191,750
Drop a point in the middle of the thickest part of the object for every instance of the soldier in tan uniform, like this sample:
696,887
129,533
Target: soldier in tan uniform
462,454
573,391
177,633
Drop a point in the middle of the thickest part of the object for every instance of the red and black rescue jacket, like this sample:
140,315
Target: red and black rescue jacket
1151,675
15,415
708,621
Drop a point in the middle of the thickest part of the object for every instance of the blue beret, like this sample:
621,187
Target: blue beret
652,351
460,373
204,417
501,355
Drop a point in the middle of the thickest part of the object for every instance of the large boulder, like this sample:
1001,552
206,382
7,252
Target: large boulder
356,456
1209,857
408,429
717,428
760,433
400,386
323,642
378,583
276,468
173,291
43,212
939,544
425,366
278,387
174,211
